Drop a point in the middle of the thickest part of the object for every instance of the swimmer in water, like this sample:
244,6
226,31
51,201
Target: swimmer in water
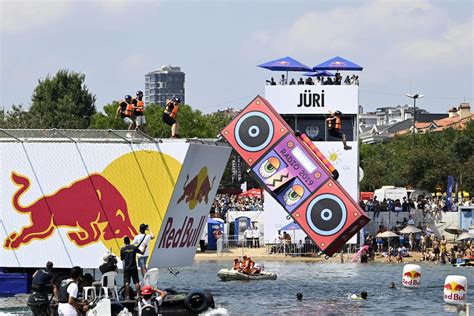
391,285
363,296
299,296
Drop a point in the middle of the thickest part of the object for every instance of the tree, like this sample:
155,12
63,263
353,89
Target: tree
62,101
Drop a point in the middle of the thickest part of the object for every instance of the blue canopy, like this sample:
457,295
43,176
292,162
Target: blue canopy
285,64
322,73
291,226
338,63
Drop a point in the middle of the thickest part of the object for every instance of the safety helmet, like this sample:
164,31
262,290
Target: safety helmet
338,113
147,290
177,100
128,97
139,92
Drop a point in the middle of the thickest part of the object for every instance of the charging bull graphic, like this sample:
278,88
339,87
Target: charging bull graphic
92,206
197,190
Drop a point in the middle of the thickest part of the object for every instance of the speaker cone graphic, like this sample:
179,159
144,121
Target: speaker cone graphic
326,214
254,131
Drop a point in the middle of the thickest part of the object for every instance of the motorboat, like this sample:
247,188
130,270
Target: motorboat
234,275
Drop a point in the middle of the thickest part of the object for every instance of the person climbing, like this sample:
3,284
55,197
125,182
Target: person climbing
170,114
335,126
139,111
125,110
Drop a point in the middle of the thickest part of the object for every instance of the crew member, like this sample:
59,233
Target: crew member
43,280
150,306
335,126
125,110
139,111
169,115
128,255
143,240
69,305
236,265
362,296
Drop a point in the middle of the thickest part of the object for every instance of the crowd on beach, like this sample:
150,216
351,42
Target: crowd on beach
283,244
320,80
227,202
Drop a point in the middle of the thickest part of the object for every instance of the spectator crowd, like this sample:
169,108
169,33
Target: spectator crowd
320,80
227,202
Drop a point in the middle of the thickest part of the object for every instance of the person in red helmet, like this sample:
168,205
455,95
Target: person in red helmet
148,305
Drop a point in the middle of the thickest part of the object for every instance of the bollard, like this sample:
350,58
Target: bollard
411,277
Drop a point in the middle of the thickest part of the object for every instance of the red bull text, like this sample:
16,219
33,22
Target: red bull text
82,205
411,278
452,291
184,237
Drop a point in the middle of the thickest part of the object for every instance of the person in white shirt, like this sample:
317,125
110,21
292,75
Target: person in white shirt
248,234
256,237
410,220
69,305
142,241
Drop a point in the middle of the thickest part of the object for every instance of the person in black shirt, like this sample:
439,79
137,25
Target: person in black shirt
170,116
300,82
42,279
292,82
128,254
309,81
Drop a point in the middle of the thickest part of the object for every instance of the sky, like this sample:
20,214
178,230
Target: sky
417,46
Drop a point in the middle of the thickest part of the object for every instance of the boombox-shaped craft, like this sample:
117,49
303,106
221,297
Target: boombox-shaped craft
296,174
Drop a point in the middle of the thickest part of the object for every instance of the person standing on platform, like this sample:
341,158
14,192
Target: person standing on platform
248,234
139,111
125,110
256,236
142,240
128,255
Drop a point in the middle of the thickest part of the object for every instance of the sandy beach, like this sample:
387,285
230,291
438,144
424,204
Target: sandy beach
260,254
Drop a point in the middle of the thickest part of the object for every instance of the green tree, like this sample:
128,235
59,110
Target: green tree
62,101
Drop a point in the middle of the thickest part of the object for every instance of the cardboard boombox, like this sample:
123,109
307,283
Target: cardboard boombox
295,173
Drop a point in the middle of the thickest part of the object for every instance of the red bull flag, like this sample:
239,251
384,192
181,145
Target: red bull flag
69,203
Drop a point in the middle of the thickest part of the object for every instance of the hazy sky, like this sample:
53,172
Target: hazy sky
219,43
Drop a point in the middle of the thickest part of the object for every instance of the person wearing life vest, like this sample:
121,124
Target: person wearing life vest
170,115
42,281
236,265
335,127
125,110
247,265
148,305
139,111
69,305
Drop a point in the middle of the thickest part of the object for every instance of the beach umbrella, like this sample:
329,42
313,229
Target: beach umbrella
322,73
410,229
285,64
338,63
252,193
454,229
387,234
466,235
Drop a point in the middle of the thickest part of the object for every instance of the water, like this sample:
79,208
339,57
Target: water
325,287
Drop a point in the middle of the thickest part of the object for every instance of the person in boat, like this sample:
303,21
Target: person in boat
69,304
43,280
149,305
236,265
245,267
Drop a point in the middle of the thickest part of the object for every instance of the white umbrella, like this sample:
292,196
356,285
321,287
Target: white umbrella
453,229
410,229
465,235
387,234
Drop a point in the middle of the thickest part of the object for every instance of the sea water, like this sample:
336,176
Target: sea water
325,288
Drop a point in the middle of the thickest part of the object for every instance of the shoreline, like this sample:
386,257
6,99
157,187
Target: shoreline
259,254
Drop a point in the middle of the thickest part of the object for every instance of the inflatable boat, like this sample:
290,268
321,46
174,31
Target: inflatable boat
233,275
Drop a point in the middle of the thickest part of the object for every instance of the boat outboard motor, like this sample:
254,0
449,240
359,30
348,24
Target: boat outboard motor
38,302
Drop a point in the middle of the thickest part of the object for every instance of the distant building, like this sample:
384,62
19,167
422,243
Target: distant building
390,115
163,84
229,112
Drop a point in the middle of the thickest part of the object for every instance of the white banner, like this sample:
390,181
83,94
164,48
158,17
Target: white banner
306,99
189,206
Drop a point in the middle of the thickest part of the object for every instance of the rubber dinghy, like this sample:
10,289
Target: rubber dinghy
234,275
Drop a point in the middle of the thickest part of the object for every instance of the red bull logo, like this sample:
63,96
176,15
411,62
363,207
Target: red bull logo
186,236
452,291
411,278
92,206
197,190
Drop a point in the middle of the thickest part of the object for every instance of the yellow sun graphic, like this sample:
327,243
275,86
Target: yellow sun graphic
334,156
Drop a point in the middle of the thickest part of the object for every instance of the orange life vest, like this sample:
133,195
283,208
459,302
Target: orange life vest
175,111
338,124
128,110
140,106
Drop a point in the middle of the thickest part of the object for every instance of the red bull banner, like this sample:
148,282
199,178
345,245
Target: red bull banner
70,203
190,204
